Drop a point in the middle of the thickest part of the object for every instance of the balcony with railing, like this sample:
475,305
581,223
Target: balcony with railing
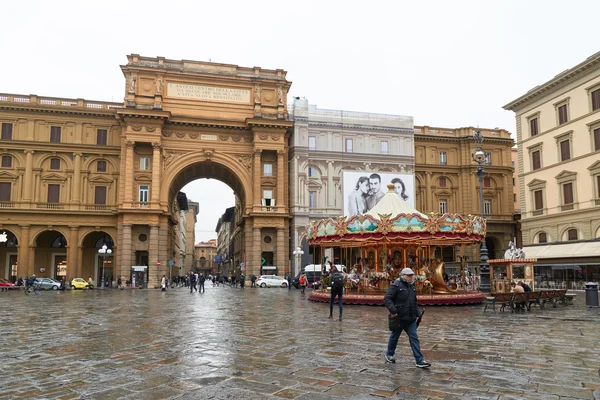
80,104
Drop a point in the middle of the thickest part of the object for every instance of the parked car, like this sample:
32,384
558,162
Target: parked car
48,283
79,283
4,284
271,281
313,279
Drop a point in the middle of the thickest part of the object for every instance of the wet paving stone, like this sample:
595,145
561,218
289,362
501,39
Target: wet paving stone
274,344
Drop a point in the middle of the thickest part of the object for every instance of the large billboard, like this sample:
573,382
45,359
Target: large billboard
363,189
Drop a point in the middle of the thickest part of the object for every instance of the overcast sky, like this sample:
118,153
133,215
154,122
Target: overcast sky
446,63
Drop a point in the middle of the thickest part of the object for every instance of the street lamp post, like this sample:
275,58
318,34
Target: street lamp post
298,253
479,156
104,252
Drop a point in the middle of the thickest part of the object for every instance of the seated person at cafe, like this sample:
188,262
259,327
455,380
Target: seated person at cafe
516,288
525,286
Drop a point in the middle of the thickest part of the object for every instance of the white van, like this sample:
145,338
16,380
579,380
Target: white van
317,267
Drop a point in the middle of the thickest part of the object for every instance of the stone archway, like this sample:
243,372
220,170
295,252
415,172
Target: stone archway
50,254
185,120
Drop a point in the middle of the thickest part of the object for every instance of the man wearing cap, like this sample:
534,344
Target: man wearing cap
401,301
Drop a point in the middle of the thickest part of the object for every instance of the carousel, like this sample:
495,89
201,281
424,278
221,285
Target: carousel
377,245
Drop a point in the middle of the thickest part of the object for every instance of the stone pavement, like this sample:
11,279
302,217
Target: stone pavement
273,343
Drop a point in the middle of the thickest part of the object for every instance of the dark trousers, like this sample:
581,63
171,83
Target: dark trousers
202,287
338,293
193,286
411,330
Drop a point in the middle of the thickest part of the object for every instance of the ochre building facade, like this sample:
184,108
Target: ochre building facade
80,174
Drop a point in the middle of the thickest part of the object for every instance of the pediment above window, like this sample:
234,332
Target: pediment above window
314,185
595,167
8,175
53,177
144,178
537,182
566,175
100,179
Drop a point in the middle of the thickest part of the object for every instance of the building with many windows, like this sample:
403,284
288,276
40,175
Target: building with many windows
446,182
329,143
558,131
205,257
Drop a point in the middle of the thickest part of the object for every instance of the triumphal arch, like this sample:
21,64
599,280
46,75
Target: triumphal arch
202,120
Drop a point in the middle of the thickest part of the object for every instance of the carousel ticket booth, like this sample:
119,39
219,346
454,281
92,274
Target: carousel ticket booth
505,271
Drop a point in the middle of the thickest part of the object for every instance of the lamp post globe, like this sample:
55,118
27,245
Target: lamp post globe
479,156
298,253
104,252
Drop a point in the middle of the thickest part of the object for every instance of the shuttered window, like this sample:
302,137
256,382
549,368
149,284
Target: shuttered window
539,200
597,139
100,195
53,193
101,137
487,182
101,166
4,191
533,127
542,237
565,150
562,114
595,99
572,234
55,163
568,193
6,131
535,159
55,134
6,161
443,181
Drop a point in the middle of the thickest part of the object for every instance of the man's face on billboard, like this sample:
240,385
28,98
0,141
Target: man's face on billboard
374,184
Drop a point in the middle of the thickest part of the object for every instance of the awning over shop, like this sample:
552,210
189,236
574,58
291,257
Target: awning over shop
567,250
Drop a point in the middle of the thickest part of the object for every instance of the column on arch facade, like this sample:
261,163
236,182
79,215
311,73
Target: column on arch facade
281,262
23,261
129,168
125,255
73,247
281,186
76,193
256,250
28,180
153,269
256,177
156,150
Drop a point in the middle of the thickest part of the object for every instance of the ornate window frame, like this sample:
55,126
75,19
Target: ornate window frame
561,138
561,179
533,148
557,105
592,126
595,175
535,185
589,90
530,117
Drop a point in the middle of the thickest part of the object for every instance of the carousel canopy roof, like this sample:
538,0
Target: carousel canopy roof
392,204
392,220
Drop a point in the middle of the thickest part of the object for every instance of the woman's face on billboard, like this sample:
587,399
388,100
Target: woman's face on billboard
363,186
398,188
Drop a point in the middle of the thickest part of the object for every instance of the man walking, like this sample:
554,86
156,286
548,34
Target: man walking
193,282
337,280
401,301
201,280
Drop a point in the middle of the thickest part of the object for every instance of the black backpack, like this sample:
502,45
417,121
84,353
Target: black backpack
337,280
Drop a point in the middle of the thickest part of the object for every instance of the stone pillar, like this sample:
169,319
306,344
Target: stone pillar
163,251
76,193
128,198
155,199
281,262
296,184
72,252
79,269
153,269
330,191
257,177
28,184
281,186
23,261
126,251
428,194
256,251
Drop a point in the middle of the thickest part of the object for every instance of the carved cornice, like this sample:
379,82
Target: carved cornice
130,144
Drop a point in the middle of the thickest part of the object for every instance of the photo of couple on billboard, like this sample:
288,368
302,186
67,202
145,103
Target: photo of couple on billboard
363,190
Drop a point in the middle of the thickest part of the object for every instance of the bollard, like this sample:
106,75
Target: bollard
591,294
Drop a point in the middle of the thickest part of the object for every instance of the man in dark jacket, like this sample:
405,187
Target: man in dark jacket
401,301
337,280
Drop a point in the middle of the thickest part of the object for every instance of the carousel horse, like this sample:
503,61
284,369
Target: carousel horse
436,278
